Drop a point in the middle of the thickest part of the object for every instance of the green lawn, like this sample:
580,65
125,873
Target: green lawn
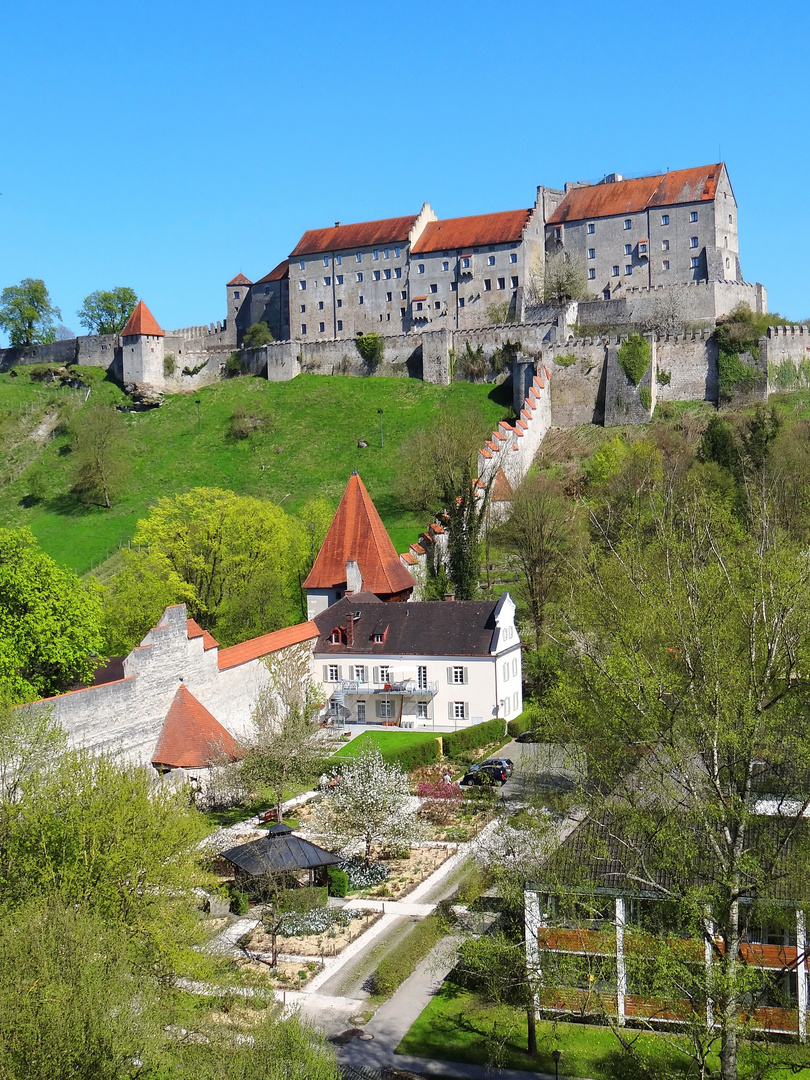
457,1026
385,740
305,446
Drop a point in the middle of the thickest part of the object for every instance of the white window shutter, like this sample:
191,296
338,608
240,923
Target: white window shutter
326,673
450,710
466,710
351,673
340,672
466,675
450,676
376,675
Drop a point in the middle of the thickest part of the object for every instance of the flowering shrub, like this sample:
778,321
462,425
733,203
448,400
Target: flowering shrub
363,875
440,801
318,921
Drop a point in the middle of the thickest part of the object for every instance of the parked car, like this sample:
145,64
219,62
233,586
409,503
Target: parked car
485,773
504,762
528,736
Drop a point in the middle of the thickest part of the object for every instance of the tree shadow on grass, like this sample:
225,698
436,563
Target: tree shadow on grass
67,504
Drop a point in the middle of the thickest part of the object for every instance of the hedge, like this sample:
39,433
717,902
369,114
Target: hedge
525,722
456,742
414,755
395,968
305,899
338,881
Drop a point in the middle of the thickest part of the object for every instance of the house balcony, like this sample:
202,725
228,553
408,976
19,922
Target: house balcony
404,687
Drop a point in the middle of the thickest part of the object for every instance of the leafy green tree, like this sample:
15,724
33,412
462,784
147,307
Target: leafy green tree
27,314
99,447
240,557
686,682
136,597
106,311
50,621
286,745
719,445
257,335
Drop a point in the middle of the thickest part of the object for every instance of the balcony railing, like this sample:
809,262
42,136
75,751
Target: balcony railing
401,686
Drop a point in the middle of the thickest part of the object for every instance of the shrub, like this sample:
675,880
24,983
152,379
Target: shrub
316,921
233,365
472,364
455,742
338,881
525,722
663,378
169,364
440,801
502,357
733,374
242,423
41,373
634,357
195,370
239,901
645,397
395,968
371,347
257,335
565,360
364,875
309,898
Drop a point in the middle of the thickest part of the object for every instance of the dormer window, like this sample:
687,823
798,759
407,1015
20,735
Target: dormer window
335,638
378,638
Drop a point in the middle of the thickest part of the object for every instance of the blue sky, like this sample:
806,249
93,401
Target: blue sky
168,146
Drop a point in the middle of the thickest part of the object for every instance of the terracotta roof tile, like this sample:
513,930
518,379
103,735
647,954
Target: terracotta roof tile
362,234
502,228
240,279
266,644
191,734
418,549
195,631
411,560
634,195
277,273
142,321
358,534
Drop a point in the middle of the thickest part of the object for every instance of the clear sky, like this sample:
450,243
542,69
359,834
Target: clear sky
168,146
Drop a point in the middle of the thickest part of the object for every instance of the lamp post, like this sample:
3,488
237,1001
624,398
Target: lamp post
382,441
197,403
556,1055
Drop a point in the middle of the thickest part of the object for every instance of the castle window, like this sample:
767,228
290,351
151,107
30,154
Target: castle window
728,263
628,249
628,223
729,219
376,275
359,256
267,290
327,281
591,274
420,269
591,228
501,283
725,241
339,279
387,275
514,282
453,286
487,285
396,253
338,260
303,327
437,305
465,263
419,305
236,296
402,312
695,263
376,255
320,305
321,327
591,253
302,265
302,285
461,301
665,219
491,260
338,302
326,260
303,308
642,249
445,265
665,245
665,264
403,295
434,288
615,271
359,275
386,253
628,270
359,299
340,324
389,297
693,241
513,257
397,271
693,216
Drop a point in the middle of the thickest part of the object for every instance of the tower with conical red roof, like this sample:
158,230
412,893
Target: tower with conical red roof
237,294
357,555
142,340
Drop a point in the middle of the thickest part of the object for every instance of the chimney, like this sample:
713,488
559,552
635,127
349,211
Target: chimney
337,224
449,597
354,580
350,631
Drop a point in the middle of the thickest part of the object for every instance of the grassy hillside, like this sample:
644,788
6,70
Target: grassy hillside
304,444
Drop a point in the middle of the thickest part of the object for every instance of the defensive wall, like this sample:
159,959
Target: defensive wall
696,301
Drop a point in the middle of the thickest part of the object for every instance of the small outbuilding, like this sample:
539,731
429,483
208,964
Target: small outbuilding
279,854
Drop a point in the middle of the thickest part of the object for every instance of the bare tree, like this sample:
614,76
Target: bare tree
98,454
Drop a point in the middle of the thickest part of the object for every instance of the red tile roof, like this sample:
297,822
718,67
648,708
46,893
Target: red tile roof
266,644
632,196
191,735
358,534
464,232
277,273
195,631
363,234
240,279
142,321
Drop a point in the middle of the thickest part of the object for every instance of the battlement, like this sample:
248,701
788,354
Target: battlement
795,330
189,332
